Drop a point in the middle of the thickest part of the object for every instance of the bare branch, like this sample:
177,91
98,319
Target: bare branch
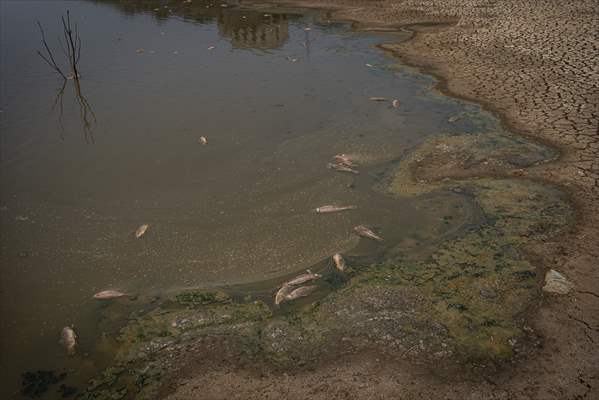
51,62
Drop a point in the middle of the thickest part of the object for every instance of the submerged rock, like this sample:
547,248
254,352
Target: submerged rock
557,283
36,384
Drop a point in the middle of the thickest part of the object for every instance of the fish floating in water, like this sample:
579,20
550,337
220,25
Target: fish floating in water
141,230
363,231
68,338
203,140
339,262
286,292
108,294
377,98
282,294
298,280
344,159
300,292
330,209
342,168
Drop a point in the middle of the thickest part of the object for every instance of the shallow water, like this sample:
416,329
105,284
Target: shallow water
277,97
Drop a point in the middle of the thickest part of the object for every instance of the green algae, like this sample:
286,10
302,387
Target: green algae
466,302
195,298
460,157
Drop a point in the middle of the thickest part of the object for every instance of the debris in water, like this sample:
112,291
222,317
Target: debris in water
211,47
377,98
300,292
363,231
140,51
292,59
453,119
68,339
203,140
395,103
369,65
108,294
307,29
330,209
339,262
141,230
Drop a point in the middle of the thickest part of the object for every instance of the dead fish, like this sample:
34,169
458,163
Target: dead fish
377,98
330,209
369,65
363,231
108,294
211,47
342,168
307,29
203,140
395,103
300,292
454,119
344,159
282,294
339,262
140,51
292,59
141,230
68,338
298,280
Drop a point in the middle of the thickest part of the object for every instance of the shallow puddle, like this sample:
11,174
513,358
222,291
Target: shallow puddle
276,95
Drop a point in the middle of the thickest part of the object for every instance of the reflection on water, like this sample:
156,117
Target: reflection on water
253,30
245,28
236,211
86,112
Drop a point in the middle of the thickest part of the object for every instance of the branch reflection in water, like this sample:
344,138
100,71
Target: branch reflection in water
71,49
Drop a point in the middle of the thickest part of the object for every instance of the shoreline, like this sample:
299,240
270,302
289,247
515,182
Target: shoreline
530,375
567,323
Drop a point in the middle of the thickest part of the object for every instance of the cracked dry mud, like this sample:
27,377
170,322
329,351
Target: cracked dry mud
535,66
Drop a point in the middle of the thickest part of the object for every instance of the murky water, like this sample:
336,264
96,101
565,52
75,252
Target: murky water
275,94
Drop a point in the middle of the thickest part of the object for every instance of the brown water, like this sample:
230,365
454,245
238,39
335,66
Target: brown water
275,100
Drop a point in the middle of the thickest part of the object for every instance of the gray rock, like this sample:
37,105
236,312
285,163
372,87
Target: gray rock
557,283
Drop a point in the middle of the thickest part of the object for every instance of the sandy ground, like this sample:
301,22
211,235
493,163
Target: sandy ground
535,64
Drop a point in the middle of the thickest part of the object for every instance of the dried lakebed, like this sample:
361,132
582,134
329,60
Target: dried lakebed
450,285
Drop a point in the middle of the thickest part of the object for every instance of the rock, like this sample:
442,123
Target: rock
557,283
488,293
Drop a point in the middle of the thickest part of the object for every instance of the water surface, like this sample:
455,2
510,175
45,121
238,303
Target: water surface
277,94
